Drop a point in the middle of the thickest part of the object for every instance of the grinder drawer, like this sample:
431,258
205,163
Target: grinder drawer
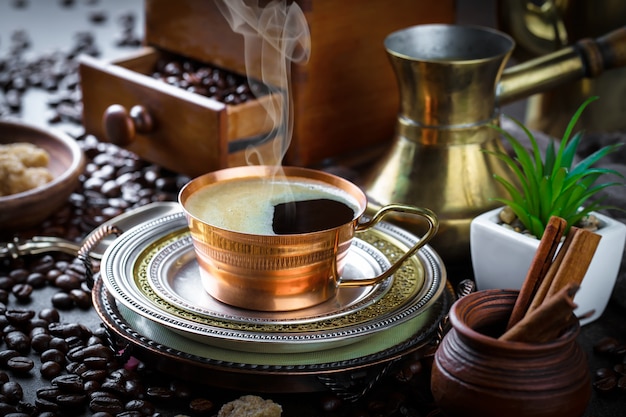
178,129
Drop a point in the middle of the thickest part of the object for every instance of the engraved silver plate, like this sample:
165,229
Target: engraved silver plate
174,276
126,272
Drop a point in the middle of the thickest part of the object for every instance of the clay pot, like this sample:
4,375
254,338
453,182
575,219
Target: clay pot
475,374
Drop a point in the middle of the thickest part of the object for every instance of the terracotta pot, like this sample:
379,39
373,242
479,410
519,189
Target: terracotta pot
475,374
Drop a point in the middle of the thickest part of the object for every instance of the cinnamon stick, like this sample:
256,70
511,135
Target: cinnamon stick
538,268
542,291
546,322
576,260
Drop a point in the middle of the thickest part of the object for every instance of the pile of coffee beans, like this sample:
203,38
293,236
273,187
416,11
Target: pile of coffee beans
82,373
55,72
64,274
611,380
206,80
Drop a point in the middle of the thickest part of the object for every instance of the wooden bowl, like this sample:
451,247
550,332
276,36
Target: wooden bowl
67,161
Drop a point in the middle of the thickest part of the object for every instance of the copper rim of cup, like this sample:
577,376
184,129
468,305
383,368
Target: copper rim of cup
269,171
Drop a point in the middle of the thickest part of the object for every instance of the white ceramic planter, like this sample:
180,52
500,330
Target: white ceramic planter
501,259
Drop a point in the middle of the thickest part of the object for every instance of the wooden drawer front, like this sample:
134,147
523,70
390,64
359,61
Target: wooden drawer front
190,133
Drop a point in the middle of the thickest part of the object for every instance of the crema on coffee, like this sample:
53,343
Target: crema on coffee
272,206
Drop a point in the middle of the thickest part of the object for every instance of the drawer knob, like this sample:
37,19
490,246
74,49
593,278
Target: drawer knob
120,125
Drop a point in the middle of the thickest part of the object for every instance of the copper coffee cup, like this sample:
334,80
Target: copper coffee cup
287,271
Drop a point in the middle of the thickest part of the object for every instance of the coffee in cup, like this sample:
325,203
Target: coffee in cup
258,246
273,206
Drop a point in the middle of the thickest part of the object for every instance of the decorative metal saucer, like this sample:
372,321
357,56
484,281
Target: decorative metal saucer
173,274
125,271
348,370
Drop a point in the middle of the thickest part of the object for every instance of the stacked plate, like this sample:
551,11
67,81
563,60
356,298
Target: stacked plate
149,293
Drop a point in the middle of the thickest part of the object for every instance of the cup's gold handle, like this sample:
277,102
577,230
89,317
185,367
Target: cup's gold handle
433,227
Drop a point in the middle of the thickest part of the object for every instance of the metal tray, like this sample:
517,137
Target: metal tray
415,287
347,371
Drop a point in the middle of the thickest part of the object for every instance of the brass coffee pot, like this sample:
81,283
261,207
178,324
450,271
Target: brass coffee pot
452,81
539,28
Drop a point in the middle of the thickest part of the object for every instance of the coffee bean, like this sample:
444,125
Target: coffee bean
38,326
92,351
17,340
94,340
51,315
50,369
110,188
66,330
113,386
12,391
120,375
52,275
94,375
6,283
77,368
81,298
53,355
74,343
159,393
20,364
106,403
69,383
133,388
91,386
36,280
19,317
620,351
67,282
73,400
59,344
96,362
49,408
201,406
62,300
606,345
605,385
19,275
144,407
8,328
22,292
43,264
49,392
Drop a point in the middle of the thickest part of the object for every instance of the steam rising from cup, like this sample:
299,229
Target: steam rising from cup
276,35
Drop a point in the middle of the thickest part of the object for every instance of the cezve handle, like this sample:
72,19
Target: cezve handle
586,58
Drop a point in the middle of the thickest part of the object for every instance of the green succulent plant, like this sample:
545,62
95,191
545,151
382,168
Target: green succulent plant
554,185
